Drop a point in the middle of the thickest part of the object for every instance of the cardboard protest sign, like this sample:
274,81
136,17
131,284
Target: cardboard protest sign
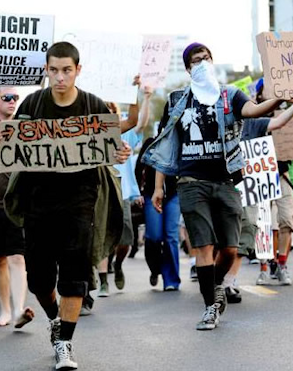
156,54
261,179
283,139
276,49
242,84
70,144
24,41
264,237
109,64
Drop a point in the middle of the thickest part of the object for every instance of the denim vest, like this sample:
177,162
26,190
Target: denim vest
163,153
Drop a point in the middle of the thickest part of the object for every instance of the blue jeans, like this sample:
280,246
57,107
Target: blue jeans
162,240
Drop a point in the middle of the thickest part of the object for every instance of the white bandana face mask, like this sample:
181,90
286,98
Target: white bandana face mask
204,84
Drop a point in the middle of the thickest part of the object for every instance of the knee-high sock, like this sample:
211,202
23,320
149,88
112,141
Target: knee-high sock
206,279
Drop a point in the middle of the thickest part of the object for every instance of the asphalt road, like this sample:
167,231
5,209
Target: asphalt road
146,329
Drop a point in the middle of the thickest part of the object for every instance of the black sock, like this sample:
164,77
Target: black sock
103,278
206,279
67,330
52,310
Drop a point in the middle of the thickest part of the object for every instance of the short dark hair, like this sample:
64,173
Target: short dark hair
63,49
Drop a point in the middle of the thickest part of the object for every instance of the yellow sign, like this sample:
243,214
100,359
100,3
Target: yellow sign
243,83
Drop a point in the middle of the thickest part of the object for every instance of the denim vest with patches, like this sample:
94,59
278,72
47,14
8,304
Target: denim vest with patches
163,154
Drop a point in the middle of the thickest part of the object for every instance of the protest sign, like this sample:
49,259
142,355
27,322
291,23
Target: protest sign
261,179
109,64
70,144
24,41
283,139
264,237
242,84
276,49
156,54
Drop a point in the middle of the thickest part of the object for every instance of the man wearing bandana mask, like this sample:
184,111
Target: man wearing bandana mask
200,144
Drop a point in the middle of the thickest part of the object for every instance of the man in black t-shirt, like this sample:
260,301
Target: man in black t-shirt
209,131
59,208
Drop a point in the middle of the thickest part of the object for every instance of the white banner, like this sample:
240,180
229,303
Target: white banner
71,144
24,41
109,64
261,181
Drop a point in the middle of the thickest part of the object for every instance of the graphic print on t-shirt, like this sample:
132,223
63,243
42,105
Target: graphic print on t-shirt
202,151
201,140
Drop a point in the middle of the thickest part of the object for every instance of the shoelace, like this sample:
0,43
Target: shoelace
220,295
63,350
210,313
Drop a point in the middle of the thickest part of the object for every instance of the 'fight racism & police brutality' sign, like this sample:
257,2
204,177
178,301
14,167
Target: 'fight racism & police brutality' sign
24,41
70,144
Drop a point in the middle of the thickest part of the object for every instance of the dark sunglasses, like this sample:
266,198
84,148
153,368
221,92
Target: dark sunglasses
9,97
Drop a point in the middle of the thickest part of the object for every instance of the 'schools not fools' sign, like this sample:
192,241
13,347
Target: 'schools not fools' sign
70,144
24,41
276,49
261,180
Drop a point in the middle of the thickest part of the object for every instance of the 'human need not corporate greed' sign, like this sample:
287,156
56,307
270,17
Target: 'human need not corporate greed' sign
276,49
70,144
24,41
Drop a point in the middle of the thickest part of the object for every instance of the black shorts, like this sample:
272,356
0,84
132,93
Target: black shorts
59,232
212,212
12,237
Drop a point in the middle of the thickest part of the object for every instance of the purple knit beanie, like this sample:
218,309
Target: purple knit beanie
189,49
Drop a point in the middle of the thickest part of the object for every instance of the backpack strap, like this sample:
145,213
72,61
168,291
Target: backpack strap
35,102
88,103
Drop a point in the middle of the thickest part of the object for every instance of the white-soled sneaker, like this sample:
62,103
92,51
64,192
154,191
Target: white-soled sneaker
263,279
283,276
210,318
64,355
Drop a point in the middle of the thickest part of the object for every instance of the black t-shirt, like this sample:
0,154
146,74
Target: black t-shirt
201,145
49,110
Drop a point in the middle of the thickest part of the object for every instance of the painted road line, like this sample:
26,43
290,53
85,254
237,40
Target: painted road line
259,290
